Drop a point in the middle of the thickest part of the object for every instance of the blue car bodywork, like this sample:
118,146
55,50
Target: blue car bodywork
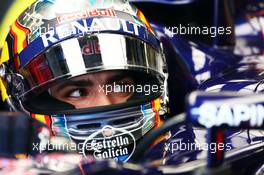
213,67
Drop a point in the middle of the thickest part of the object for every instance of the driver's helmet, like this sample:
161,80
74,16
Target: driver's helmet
81,66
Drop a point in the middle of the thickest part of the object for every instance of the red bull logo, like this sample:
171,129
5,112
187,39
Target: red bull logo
86,13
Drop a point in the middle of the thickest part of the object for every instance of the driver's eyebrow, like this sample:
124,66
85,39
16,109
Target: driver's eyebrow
77,83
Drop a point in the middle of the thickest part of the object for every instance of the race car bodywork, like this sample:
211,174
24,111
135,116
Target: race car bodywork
223,67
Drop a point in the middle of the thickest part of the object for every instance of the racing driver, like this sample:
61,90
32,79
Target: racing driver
92,71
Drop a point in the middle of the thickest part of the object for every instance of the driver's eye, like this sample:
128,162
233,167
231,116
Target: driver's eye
77,93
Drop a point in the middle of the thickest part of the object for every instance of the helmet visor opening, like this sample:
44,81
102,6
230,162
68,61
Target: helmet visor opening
97,90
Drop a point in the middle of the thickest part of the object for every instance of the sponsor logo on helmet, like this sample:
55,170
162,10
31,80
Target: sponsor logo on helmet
90,25
110,143
110,12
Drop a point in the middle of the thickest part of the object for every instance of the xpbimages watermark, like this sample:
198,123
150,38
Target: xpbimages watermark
180,145
147,89
197,30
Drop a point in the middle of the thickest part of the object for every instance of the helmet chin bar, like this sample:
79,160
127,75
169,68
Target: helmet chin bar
138,119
